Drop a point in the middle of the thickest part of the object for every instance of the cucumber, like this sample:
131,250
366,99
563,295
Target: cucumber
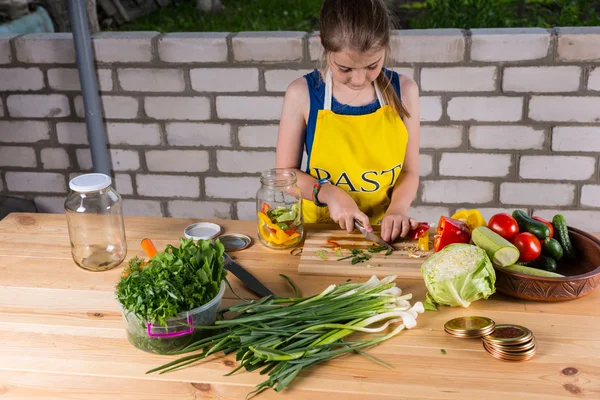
551,247
561,232
528,224
500,250
542,262
533,271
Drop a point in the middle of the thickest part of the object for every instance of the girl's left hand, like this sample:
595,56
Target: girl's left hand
394,224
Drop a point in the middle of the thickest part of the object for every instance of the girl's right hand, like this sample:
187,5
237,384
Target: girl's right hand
342,208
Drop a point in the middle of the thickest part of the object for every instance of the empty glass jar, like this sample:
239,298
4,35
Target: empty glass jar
95,221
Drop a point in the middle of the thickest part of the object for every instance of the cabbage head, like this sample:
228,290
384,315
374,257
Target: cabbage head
458,275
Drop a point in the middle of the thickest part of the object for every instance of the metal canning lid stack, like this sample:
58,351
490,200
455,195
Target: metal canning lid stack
469,327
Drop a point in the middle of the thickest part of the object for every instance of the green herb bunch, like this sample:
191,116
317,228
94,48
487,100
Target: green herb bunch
173,281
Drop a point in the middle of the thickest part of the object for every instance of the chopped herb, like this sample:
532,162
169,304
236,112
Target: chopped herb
443,351
390,251
375,249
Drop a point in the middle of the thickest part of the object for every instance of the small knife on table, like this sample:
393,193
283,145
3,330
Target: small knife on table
246,277
372,236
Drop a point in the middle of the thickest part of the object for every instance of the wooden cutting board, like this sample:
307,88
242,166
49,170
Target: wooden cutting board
405,262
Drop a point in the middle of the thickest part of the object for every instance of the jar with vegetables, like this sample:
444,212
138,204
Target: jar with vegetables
279,209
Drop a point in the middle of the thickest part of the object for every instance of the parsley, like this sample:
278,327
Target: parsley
357,256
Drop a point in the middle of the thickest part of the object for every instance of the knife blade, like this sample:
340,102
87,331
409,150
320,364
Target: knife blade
246,277
372,236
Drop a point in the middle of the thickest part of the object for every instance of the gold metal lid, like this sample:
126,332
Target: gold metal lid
472,326
513,349
508,334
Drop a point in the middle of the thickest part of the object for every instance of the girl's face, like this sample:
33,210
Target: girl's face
355,70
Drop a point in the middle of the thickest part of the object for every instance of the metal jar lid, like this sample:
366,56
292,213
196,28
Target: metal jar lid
470,327
202,230
235,241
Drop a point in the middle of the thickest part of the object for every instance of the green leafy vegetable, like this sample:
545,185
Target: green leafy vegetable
443,351
357,256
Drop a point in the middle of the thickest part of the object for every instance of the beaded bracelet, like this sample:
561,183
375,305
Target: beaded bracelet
316,190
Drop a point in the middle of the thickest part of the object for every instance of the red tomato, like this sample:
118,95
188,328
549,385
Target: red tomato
528,245
504,225
547,223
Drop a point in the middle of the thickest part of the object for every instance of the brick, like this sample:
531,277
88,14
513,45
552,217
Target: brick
512,44
199,209
198,134
576,138
506,137
458,191
21,79
532,194
594,80
40,182
410,72
476,165
1,108
120,107
246,210
315,49
431,108
425,164
501,109
428,45
245,161
183,108
17,156
71,132
68,79
48,204
459,79
122,160
168,185
123,46
584,220
177,160
46,48
142,208
488,213
151,79
268,46
564,108
224,79
38,105
579,44
541,79
24,131
132,133
427,213
590,195
574,168
193,47
258,135
232,188
278,80
249,108
123,184
5,52
440,137
55,158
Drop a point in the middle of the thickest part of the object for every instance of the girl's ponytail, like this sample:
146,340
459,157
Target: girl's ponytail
390,95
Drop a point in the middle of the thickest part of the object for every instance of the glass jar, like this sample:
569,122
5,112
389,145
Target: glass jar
95,221
279,209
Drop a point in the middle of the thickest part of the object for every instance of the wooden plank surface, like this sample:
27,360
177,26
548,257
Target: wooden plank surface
61,334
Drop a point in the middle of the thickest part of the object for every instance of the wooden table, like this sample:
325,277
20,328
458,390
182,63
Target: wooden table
61,334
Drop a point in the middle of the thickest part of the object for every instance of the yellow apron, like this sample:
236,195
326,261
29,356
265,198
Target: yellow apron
362,154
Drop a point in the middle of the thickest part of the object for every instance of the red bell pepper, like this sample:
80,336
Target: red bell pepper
420,230
450,231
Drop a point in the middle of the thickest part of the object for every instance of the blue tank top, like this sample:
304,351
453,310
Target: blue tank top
316,91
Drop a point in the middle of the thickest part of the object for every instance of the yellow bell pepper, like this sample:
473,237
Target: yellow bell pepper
273,233
423,242
472,218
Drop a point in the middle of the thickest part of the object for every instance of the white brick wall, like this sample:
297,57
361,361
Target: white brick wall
168,186
71,132
123,46
590,195
315,50
565,109
472,164
532,194
584,220
428,214
431,108
199,209
5,53
541,79
151,79
198,134
232,188
279,46
278,80
501,109
430,45
48,204
440,137
594,79
487,213
458,191
224,79
24,131
123,184
119,107
68,79
459,79
40,182
182,108
142,208
13,79
44,48
579,44
193,47
177,160
576,138
246,210
506,45
425,164
258,135
249,108
122,160
55,158
245,161
17,156
506,137
38,105
573,168
133,133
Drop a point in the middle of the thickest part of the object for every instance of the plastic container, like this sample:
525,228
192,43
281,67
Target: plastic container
95,220
179,332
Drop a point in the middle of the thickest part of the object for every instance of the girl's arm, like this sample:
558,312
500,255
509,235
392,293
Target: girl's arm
396,222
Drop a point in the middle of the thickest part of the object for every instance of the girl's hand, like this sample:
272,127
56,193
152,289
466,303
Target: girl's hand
342,208
394,224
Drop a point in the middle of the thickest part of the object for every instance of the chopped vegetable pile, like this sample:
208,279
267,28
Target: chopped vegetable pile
280,226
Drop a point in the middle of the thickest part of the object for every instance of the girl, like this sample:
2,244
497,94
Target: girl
359,123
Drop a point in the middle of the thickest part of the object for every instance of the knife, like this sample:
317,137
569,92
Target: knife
246,277
371,236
